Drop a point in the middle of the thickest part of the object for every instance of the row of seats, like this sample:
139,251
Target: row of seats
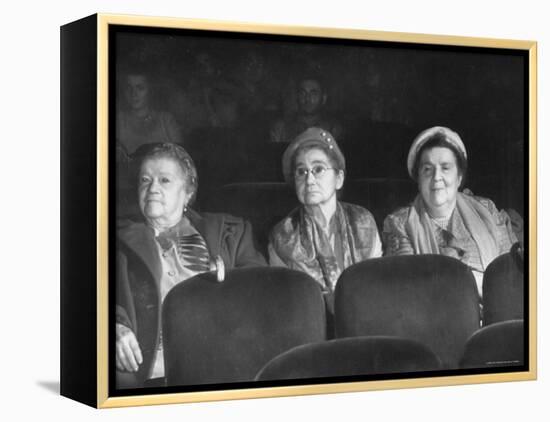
498,345
410,313
265,204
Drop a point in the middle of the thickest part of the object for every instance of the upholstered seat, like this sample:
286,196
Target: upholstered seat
381,196
499,344
503,283
263,204
351,356
429,298
220,332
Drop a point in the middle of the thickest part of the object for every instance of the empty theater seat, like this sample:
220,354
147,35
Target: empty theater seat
381,196
429,298
499,344
503,288
263,204
220,332
351,356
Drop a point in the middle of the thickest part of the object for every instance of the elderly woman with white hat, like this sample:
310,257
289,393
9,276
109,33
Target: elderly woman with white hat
442,220
322,236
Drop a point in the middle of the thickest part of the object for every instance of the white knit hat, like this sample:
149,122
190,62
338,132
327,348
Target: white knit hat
451,137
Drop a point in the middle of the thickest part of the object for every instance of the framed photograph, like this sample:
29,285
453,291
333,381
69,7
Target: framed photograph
260,211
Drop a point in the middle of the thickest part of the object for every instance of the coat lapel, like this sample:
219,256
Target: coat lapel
140,239
210,230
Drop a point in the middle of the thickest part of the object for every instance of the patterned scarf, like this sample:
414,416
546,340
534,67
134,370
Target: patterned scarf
303,246
190,245
476,218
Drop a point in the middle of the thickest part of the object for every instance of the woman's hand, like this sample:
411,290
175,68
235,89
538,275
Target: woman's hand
128,353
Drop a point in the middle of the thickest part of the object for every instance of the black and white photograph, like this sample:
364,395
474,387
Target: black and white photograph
277,211
306,210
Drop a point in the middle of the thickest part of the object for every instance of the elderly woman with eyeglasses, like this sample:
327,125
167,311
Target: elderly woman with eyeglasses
322,236
443,220
171,244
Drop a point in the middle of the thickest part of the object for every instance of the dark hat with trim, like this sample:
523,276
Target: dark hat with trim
314,136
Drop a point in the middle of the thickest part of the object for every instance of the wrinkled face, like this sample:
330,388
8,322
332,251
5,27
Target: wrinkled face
162,190
438,178
316,189
137,91
310,96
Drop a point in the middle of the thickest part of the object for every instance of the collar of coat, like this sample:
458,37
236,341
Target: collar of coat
140,238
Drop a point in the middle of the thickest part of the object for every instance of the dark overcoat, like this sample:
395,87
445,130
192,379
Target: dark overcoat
139,270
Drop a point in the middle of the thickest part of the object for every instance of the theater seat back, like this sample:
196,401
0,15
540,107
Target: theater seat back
354,356
428,298
503,295
500,344
263,204
381,196
225,332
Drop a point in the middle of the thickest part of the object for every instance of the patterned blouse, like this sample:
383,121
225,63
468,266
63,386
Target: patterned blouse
453,239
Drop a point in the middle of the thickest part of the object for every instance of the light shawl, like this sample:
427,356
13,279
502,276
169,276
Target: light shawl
477,219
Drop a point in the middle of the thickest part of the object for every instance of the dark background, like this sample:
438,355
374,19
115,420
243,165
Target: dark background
383,94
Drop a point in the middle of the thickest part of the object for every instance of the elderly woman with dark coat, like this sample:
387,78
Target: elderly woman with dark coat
443,220
322,236
170,245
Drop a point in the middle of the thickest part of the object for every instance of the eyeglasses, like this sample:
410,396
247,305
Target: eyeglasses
317,171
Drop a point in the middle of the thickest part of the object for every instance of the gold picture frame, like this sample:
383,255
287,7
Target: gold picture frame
88,85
